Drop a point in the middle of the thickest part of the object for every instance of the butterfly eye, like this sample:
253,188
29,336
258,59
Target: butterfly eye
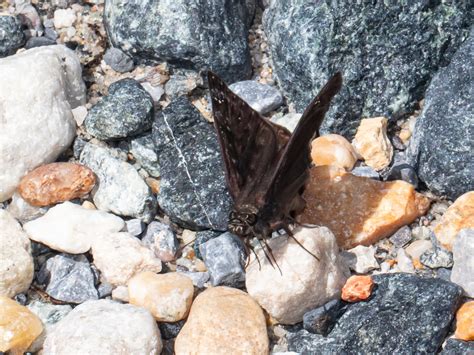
232,215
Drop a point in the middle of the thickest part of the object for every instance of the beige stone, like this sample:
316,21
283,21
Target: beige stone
359,210
168,297
372,143
333,149
460,215
465,322
223,320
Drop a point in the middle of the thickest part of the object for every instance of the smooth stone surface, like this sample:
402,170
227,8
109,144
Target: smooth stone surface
34,42
361,259
120,189
16,261
11,35
46,123
465,322
107,328
261,97
406,312
358,210
70,228
168,297
463,268
23,211
160,238
365,171
193,190
56,182
120,256
126,111
135,227
333,149
143,150
357,288
118,60
401,170
226,309
322,319
304,282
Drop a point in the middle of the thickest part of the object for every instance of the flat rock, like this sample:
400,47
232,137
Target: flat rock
358,210
36,131
361,259
226,309
109,328
289,121
304,281
333,149
11,37
262,98
71,228
23,211
463,267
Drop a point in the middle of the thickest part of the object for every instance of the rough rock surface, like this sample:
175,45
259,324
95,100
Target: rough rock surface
11,35
387,53
193,190
118,60
23,211
357,288
199,34
463,268
143,150
46,121
261,97
458,347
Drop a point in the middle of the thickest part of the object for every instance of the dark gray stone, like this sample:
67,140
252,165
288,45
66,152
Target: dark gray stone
118,60
442,143
105,289
366,171
262,98
51,33
182,83
443,273
401,170
458,347
225,258
21,298
197,34
143,150
126,111
401,237
202,237
386,51
77,147
170,330
39,42
11,35
199,278
160,238
193,189
322,319
406,314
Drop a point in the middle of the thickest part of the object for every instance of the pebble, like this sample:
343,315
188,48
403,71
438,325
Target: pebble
304,282
120,256
199,279
418,247
401,237
463,267
135,226
118,60
361,259
333,149
168,297
357,288
80,114
16,261
105,327
365,171
261,97
120,293
372,143
465,322
162,240
64,18
143,150
70,228
226,309
289,121
39,42
182,83
12,36
56,182
359,210
404,262
322,319
23,211
170,330
436,258
401,170
19,327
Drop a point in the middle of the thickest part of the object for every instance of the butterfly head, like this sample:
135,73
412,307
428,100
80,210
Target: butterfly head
243,221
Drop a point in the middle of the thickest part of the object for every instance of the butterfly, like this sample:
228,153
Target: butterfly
266,166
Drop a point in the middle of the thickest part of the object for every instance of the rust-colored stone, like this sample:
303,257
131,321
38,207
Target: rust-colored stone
333,149
359,210
357,288
465,322
56,182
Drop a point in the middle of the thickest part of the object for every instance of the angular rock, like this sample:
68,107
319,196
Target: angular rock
23,211
357,288
168,297
322,319
120,256
261,97
225,309
64,18
71,228
418,248
46,124
162,240
404,262
401,237
387,53
143,150
56,182
333,149
304,281
442,145
401,170
34,42
201,238
105,327
135,227
359,210
289,121
11,35
361,259
199,279
16,262
465,322
365,171
182,83
406,312
436,258
120,189
463,268
118,60
457,347
170,330
193,190
169,32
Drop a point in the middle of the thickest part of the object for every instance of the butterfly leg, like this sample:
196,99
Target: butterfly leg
291,235
270,251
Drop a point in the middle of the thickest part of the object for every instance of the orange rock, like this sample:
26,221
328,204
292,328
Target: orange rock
357,288
56,182
459,215
359,210
154,184
333,149
391,262
465,322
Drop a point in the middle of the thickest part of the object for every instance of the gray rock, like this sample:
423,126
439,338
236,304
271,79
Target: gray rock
119,189
135,226
401,170
182,83
70,279
118,60
77,147
463,267
39,42
105,289
262,98
126,111
51,33
143,150
366,171
322,319
289,121
193,189
436,258
441,146
443,273
387,53
162,240
187,33
405,314
225,258
202,237
170,330
11,35
458,347
198,278
401,237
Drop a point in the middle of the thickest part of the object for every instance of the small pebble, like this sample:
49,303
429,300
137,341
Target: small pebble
401,237
333,149
118,60
322,319
64,18
135,226
361,259
357,288
365,171
262,98
162,240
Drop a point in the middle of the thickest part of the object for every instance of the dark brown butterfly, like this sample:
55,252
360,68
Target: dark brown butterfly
266,166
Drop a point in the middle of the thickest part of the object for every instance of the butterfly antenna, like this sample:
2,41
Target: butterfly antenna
291,235
270,251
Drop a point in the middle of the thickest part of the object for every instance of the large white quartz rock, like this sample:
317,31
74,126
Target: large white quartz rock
38,89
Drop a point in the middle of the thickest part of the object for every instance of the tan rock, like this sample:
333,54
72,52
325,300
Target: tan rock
465,322
357,288
168,297
223,320
56,182
359,210
372,143
460,215
19,327
333,149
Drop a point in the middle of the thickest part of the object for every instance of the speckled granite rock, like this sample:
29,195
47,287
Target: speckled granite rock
387,53
458,347
11,35
143,150
261,97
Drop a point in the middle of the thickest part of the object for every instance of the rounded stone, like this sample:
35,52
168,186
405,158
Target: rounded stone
465,322
333,149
